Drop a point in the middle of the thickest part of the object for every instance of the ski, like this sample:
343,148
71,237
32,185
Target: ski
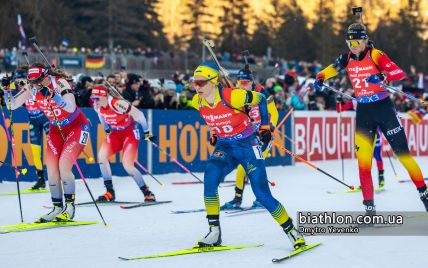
242,210
408,180
27,191
356,190
379,189
108,203
193,250
222,208
195,182
296,252
145,204
22,227
187,211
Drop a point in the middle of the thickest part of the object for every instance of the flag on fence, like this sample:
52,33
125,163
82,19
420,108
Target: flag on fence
94,61
23,40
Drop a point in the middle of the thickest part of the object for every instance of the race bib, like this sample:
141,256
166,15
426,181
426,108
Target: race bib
258,152
84,136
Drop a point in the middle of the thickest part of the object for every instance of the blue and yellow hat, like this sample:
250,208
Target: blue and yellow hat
209,70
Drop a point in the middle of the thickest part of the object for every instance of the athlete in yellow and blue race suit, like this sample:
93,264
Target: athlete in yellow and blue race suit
235,143
245,80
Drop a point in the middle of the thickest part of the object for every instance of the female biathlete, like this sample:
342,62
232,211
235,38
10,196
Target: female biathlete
235,143
68,134
366,67
118,118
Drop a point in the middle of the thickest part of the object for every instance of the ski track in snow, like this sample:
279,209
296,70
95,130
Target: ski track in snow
151,230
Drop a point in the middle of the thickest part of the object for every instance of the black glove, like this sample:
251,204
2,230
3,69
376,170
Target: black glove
107,129
150,137
213,138
5,81
339,98
45,91
265,133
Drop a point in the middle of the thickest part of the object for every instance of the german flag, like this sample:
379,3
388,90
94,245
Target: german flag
94,61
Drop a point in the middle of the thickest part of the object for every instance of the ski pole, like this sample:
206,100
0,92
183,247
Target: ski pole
283,120
77,165
175,161
339,92
12,140
148,173
396,90
311,165
340,141
392,165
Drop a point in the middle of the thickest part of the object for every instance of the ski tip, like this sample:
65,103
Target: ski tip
123,259
122,206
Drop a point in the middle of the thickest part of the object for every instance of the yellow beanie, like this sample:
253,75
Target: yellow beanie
208,70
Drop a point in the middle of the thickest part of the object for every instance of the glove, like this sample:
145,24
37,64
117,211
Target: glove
318,84
5,81
339,98
150,137
213,138
107,129
45,91
265,133
375,78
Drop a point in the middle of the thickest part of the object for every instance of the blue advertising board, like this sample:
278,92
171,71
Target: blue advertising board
181,133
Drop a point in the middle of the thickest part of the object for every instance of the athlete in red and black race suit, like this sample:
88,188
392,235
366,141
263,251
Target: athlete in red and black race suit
366,67
119,119
68,135
235,143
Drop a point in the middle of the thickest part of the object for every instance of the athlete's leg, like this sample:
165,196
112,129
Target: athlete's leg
364,146
394,133
250,157
378,157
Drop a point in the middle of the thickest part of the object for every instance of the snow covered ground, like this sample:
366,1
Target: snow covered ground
150,230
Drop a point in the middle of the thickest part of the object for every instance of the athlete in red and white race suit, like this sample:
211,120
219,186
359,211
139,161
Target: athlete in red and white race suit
68,135
119,119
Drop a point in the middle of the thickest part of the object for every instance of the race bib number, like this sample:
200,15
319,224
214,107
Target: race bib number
258,152
84,137
137,134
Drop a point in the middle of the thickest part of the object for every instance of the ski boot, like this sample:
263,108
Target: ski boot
370,207
67,214
257,204
109,196
148,195
50,216
235,203
213,238
296,238
40,184
423,192
381,179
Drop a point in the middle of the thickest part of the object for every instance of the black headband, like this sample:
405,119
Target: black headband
356,34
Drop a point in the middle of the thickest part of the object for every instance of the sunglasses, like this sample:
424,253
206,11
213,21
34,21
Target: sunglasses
243,83
202,83
354,43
